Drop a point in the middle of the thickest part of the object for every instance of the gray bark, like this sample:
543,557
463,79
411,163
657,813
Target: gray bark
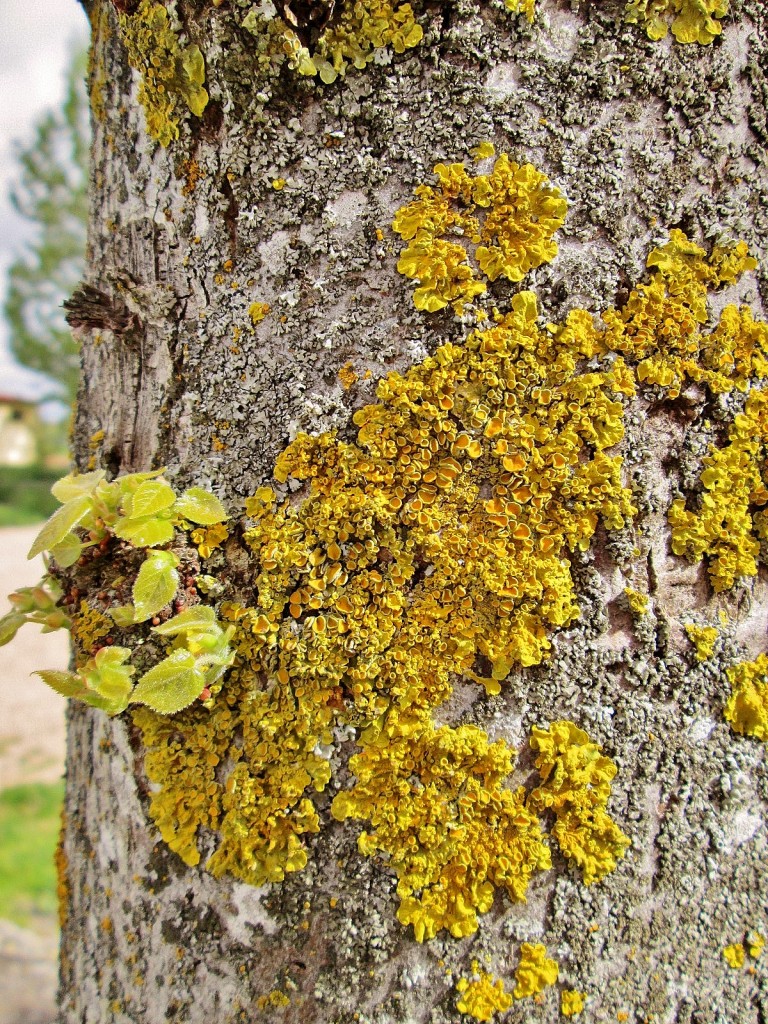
640,137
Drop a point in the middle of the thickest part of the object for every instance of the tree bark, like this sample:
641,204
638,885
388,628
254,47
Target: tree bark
641,137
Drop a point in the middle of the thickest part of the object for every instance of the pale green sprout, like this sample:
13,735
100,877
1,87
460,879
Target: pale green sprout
34,604
143,510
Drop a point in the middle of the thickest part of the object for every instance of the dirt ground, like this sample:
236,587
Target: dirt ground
31,750
31,715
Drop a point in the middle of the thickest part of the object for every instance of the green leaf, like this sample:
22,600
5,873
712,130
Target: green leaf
145,533
110,677
75,485
65,683
131,481
124,615
151,497
9,626
95,700
200,507
67,551
171,685
200,619
155,584
62,522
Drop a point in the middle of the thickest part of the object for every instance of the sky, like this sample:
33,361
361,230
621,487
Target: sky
36,38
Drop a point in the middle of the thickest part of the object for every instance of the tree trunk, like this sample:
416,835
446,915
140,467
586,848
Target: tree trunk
283,192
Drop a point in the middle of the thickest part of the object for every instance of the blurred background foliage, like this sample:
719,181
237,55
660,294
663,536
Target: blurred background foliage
30,819
52,194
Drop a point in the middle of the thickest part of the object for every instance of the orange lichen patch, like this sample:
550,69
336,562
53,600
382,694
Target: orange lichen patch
347,376
730,522
441,535
482,995
571,1002
434,546
747,707
734,955
192,175
508,217
89,626
208,538
691,21
259,808
660,325
703,639
257,311
439,811
273,1000
576,785
535,971
61,863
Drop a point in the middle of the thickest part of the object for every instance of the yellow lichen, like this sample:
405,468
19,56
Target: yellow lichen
755,944
576,785
734,955
727,527
571,1002
208,538
172,77
747,707
434,547
659,327
703,639
482,995
535,971
273,1000
637,601
347,376
483,151
508,217
692,21
440,536
352,38
526,7
89,626
438,808
257,311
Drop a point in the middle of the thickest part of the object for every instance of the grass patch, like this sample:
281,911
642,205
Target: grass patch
11,516
25,494
29,830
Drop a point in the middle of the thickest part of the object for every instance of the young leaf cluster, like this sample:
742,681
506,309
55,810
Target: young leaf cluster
34,604
142,510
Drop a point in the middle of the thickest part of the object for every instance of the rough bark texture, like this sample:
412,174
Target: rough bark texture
641,137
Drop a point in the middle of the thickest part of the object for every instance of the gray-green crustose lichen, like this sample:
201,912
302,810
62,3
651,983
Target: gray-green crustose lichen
173,76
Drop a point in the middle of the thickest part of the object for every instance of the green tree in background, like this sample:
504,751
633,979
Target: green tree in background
52,194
